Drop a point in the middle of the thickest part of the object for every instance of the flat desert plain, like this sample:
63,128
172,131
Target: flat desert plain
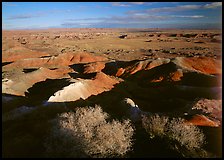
172,73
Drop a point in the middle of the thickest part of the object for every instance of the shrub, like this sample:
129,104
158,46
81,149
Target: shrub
185,138
155,125
86,133
185,134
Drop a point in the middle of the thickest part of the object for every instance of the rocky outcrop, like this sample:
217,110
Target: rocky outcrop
202,120
206,112
212,107
61,60
141,65
20,85
132,110
84,88
93,67
204,65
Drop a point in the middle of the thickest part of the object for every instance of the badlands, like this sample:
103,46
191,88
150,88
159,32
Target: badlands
171,72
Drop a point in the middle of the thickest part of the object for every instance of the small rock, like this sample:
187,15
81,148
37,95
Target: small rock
123,36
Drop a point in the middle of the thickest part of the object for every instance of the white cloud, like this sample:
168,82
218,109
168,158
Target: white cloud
115,20
120,4
39,14
178,8
136,18
102,7
174,9
188,7
6,25
21,17
194,16
128,4
9,4
138,3
213,5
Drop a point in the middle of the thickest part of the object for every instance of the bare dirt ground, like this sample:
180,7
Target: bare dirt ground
137,45
170,71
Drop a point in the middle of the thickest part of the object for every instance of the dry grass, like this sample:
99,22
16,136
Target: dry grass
86,133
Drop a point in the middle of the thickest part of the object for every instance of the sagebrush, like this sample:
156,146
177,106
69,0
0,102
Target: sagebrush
86,133
185,134
155,125
181,136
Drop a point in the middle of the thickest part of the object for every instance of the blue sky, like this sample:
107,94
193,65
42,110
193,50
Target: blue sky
41,15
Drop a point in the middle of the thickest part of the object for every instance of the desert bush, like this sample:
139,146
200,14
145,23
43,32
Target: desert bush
86,133
185,134
185,138
155,125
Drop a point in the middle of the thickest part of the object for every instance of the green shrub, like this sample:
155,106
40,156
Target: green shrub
86,133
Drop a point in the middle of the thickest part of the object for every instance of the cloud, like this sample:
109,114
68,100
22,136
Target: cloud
188,7
21,17
127,4
88,19
56,11
174,9
39,14
135,18
177,8
213,5
166,9
115,21
194,16
138,3
119,4
5,25
124,19
75,24
138,19
9,4
102,7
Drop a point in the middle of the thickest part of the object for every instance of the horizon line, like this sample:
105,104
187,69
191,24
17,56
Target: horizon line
51,28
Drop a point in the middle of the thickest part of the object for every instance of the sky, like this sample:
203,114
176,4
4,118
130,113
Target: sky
43,15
